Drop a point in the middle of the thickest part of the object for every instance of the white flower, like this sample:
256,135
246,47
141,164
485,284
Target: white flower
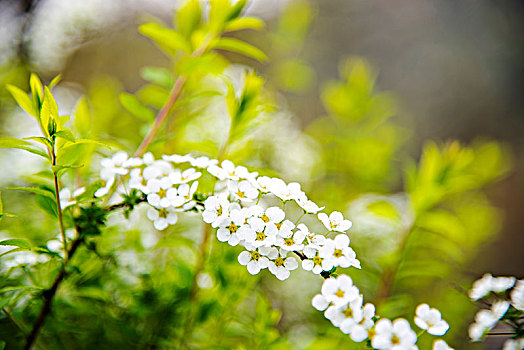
157,189
284,191
180,177
488,283
113,166
486,319
340,290
253,260
360,324
202,162
338,253
309,207
105,190
430,320
291,243
313,263
266,236
320,302
176,158
261,183
229,226
396,335
517,296
137,181
162,218
187,192
338,314
243,190
227,170
441,345
216,208
67,199
514,344
281,266
335,221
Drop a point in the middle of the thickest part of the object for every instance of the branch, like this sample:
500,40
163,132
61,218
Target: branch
49,294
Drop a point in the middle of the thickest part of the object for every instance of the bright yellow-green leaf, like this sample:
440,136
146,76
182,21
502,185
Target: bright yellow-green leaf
188,17
23,99
135,107
11,142
241,47
36,190
36,90
49,110
158,75
166,38
55,81
244,23
66,135
21,243
82,115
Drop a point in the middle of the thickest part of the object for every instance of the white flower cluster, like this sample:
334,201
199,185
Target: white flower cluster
342,304
265,232
168,188
501,308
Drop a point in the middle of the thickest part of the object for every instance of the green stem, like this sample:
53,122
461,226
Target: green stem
15,321
300,218
58,205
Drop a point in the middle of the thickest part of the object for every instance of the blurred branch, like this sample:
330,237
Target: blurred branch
15,321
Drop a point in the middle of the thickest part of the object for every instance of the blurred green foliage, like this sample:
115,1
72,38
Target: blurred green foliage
417,222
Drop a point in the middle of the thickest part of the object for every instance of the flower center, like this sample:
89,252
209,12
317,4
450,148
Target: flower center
261,236
255,255
340,293
395,340
279,261
278,225
317,260
289,242
371,333
219,211
338,253
162,213
232,228
240,194
348,312
162,193
264,218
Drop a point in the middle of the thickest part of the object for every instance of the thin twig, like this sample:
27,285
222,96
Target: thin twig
59,206
15,321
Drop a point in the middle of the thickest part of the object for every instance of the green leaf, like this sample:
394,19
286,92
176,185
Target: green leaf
21,243
58,169
83,118
188,17
36,90
135,107
166,38
47,204
55,81
236,9
241,47
23,100
11,288
244,23
1,205
41,140
11,142
66,135
49,110
36,190
158,75
14,251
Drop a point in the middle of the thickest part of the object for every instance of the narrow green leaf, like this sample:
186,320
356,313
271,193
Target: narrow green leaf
47,204
236,9
135,107
11,142
83,118
55,81
241,47
21,243
23,99
14,251
37,152
242,23
49,110
1,204
66,135
11,288
158,75
41,140
35,190
36,91
188,17
166,38
59,169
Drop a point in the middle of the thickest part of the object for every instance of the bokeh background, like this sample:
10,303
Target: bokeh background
444,69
